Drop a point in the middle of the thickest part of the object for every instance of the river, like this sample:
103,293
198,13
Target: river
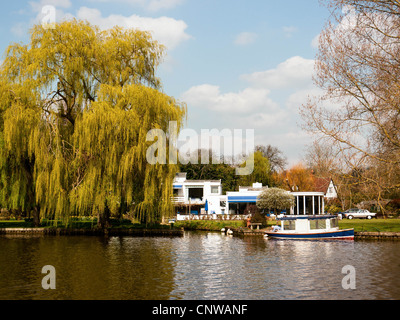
197,266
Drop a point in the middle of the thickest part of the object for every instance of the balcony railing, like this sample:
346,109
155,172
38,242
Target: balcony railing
178,199
187,201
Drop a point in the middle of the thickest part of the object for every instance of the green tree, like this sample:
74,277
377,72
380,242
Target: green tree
211,171
261,172
76,105
275,199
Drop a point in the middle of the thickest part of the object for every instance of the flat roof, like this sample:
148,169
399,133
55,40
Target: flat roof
316,217
308,193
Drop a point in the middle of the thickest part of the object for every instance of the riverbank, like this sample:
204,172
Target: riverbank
359,225
363,229
88,227
377,229
209,225
138,232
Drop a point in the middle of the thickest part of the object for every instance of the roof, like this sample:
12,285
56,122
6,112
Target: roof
321,184
202,181
316,217
253,189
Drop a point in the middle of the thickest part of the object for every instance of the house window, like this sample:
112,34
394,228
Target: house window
195,193
215,189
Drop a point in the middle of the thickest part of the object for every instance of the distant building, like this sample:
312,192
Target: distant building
190,196
327,186
195,196
237,201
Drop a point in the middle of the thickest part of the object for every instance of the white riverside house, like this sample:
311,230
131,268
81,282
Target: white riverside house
196,198
192,196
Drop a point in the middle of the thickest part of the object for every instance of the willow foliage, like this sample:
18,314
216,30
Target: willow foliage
76,105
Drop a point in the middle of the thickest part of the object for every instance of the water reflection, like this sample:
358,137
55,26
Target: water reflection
196,266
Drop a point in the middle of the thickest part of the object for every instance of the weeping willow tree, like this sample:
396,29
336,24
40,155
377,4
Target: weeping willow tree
76,105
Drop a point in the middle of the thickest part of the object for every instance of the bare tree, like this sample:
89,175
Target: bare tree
275,156
358,70
322,158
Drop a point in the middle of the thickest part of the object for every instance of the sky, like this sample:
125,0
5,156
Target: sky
237,64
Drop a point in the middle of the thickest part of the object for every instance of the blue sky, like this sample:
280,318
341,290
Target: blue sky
238,64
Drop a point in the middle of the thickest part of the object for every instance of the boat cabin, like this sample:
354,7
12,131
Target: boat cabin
309,224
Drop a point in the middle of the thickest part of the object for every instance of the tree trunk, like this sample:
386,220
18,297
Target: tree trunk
103,219
36,217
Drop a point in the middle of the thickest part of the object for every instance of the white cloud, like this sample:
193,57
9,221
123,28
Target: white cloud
294,73
167,31
298,98
315,41
209,97
254,108
245,38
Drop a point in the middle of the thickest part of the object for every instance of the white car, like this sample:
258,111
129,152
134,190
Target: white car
358,213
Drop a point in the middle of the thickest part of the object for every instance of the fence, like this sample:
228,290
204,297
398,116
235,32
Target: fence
223,217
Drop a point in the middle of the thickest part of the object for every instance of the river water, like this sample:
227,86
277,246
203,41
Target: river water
197,266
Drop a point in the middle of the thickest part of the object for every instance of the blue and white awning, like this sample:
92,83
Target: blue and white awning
236,199
178,186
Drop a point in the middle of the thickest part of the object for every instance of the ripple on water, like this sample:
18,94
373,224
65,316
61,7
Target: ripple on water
197,266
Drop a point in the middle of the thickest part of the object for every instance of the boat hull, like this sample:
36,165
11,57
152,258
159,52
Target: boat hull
346,234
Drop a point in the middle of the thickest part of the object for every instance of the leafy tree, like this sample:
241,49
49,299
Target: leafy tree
275,199
261,172
256,215
76,105
297,178
211,171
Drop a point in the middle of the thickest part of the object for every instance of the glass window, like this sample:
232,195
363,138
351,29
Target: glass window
309,205
317,224
334,223
215,189
301,205
289,225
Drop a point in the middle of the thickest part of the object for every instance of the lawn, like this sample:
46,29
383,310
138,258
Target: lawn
373,225
209,225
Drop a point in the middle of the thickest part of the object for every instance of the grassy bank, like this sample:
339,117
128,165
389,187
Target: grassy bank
359,225
213,225
208,225
373,225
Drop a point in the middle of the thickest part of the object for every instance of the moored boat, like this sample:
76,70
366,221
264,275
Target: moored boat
316,227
